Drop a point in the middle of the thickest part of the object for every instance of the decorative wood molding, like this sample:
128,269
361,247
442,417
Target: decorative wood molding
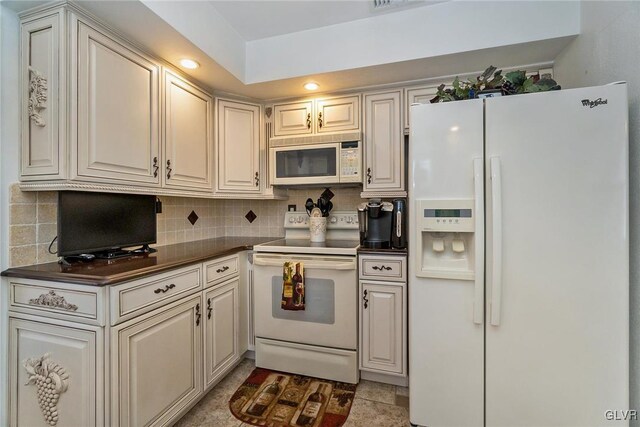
37,96
128,189
50,299
382,194
51,381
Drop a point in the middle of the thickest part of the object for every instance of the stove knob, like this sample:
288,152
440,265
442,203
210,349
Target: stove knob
333,220
349,220
292,219
299,220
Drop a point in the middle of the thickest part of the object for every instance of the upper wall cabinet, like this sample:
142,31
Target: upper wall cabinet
188,135
43,108
117,110
383,145
239,147
325,115
100,114
416,95
293,119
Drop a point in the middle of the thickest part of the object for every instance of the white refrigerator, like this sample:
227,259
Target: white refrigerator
519,260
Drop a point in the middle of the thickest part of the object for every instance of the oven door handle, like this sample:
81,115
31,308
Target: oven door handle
319,263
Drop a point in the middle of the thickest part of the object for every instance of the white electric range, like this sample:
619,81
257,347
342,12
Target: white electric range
320,341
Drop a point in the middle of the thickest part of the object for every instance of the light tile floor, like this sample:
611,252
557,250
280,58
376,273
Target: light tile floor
375,404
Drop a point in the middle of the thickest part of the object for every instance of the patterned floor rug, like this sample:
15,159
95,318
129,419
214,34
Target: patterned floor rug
276,399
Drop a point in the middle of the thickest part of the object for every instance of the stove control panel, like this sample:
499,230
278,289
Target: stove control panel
335,220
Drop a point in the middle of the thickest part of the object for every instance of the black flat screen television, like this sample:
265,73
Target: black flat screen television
104,222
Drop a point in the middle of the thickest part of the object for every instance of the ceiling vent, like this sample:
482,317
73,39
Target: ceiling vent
389,4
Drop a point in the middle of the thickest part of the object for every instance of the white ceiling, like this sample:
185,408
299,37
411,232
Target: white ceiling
188,29
255,20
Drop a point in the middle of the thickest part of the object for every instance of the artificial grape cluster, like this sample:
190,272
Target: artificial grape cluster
51,381
508,88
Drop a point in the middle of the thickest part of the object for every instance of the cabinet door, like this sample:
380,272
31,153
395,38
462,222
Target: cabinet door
188,136
382,335
417,95
384,147
71,360
157,365
238,147
293,119
221,330
338,114
43,108
117,111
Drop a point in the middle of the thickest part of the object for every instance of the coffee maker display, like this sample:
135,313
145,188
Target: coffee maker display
375,221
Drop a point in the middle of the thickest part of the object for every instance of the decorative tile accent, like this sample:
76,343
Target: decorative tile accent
193,217
327,194
251,216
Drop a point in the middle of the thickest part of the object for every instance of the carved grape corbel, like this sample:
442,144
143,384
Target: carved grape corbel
51,381
37,96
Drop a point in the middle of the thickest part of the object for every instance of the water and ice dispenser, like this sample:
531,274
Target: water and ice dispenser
446,232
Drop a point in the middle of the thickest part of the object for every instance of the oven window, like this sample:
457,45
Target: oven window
319,301
308,162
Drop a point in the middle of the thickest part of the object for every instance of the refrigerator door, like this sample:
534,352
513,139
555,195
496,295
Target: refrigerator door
446,333
557,332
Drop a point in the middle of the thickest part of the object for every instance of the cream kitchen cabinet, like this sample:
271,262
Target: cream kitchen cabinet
240,151
384,152
319,116
221,333
117,117
100,114
187,135
383,319
417,95
43,131
56,374
293,119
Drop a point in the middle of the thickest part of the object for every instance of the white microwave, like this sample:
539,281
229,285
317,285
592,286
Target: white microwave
321,163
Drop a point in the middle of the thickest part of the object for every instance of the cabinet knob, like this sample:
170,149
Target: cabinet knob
169,169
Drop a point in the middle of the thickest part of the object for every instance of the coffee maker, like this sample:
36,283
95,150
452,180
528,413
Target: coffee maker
375,218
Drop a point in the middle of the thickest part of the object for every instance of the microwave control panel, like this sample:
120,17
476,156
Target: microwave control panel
445,215
350,162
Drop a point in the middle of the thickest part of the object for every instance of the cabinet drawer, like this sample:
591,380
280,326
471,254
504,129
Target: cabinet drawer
57,300
140,296
220,269
392,268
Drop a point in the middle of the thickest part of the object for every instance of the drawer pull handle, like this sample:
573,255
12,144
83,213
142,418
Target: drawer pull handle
382,267
155,167
308,120
165,289
209,308
197,314
223,269
365,299
169,169
50,299
368,175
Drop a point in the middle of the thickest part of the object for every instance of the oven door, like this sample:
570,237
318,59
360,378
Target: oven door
308,164
330,315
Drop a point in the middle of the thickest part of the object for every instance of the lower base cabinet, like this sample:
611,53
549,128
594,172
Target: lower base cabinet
221,330
56,377
158,370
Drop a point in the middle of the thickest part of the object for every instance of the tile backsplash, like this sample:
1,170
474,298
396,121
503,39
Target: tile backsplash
33,219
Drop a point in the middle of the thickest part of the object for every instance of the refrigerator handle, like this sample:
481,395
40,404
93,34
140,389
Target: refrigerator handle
496,226
478,294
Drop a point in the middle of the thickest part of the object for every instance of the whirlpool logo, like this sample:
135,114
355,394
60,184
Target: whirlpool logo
596,102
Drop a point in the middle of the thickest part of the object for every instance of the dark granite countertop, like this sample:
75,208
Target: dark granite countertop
390,251
102,272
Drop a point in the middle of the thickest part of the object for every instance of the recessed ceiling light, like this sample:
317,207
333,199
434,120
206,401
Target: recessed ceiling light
311,86
189,63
